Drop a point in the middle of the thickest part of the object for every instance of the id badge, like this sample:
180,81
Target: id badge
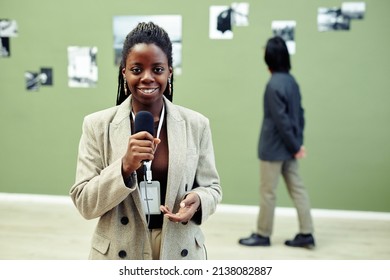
150,196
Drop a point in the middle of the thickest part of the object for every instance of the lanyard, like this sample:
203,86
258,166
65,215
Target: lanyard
148,164
160,122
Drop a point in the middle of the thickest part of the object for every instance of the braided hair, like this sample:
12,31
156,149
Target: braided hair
148,33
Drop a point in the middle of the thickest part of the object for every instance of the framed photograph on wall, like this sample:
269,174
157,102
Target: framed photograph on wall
222,19
32,80
220,23
82,66
353,10
172,24
46,76
286,30
332,19
8,29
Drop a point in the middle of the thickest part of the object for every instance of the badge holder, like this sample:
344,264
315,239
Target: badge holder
150,192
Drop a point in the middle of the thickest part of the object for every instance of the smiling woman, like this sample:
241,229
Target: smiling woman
139,39
150,202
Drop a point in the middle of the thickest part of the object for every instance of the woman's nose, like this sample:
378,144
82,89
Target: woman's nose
147,76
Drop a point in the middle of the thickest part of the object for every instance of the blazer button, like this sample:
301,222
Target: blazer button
125,221
184,253
122,254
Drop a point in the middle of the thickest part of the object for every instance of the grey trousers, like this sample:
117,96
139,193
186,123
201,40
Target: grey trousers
270,172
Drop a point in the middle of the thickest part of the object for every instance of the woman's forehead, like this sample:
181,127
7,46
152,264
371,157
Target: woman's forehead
147,51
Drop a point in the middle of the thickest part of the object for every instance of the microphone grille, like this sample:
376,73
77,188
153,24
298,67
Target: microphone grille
144,122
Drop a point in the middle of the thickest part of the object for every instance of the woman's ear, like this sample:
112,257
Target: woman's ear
170,72
123,71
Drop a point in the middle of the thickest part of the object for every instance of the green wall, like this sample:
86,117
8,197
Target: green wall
343,75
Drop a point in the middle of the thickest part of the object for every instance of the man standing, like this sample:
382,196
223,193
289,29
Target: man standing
280,145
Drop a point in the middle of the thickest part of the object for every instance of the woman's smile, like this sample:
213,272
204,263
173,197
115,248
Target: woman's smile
148,91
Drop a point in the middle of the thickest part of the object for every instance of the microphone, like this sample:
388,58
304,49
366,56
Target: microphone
144,121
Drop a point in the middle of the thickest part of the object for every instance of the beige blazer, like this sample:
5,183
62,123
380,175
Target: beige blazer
100,192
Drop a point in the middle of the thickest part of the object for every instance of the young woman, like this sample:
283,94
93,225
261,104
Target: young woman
140,218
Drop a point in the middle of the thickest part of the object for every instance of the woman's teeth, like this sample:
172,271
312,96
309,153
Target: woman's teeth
148,91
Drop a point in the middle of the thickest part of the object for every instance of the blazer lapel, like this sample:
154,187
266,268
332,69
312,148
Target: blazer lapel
119,133
177,140
120,130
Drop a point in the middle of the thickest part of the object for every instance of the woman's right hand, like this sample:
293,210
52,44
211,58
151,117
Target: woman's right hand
141,147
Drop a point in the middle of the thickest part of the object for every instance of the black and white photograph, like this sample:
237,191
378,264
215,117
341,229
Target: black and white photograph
5,50
122,25
286,30
332,19
82,67
220,24
46,76
8,28
240,14
353,10
32,80
223,19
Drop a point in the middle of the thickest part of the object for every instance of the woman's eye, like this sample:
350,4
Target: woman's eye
159,69
135,70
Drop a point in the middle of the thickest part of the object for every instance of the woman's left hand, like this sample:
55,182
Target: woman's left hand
188,208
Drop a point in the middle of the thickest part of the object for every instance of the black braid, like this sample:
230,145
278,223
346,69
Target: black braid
148,33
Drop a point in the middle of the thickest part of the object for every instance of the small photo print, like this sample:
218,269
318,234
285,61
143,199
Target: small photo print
332,19
223,19
353,10
172,24
286,30
220,25
46,77
82,67
8,28
4,47
240,14
36,79
32,80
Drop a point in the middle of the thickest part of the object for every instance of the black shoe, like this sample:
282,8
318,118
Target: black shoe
302,240
255,240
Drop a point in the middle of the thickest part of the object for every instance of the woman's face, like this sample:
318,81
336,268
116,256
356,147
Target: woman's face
146,72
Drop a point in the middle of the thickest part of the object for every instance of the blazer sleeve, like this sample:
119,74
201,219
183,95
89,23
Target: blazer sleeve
97,188
207,181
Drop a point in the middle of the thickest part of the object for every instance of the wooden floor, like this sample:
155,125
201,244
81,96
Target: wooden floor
50,228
